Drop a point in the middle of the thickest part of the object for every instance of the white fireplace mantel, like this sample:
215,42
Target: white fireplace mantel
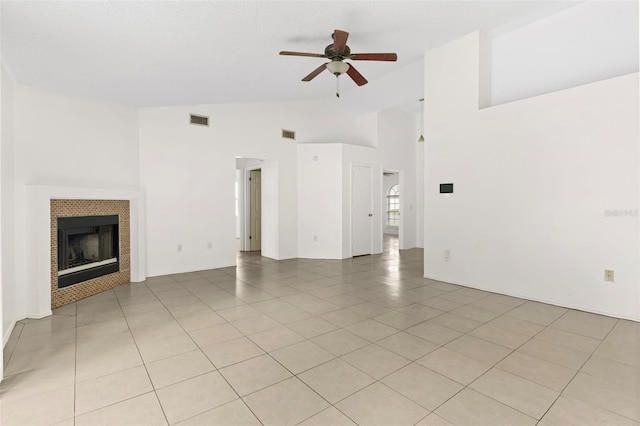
38,238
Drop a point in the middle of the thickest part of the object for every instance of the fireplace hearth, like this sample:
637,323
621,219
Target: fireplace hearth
88,247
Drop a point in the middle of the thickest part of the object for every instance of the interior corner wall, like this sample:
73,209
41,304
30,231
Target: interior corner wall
65,141
546,189
367,129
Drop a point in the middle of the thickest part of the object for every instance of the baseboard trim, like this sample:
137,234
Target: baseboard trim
534,299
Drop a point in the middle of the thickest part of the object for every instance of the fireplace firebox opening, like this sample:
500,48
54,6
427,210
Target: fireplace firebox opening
88,247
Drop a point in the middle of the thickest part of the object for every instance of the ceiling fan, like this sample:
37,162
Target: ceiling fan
337,52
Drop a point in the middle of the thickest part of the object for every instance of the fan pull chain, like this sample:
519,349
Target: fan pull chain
337,86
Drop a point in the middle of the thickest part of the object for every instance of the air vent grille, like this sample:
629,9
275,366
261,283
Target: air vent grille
288,134
200,120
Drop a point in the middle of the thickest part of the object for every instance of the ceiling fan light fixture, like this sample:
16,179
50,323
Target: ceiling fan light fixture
337,67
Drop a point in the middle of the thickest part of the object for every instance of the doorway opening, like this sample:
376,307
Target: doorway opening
391,201
249,204
255,210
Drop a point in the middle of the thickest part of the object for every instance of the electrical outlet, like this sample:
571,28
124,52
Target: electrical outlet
608,275
447,254
315,238
209,244
179,247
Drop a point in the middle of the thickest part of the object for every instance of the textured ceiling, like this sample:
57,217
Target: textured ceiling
158,53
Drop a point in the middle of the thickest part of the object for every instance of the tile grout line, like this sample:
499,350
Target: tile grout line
467,386
560,393
579,371
75,366
212,363
153,387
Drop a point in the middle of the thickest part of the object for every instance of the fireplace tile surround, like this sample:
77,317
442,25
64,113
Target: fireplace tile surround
36,277
74,207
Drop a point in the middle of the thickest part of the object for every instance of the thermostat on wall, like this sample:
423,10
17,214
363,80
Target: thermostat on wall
446,188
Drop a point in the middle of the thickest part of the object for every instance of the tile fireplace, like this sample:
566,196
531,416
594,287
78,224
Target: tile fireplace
90,248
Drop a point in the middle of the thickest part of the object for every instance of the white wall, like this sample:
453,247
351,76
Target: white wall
74,142
7,292
395,135
367,129
533,181
176,155
393,132
59,141
189,184
397,148
278,202
320,201
591,41
402,87
244,163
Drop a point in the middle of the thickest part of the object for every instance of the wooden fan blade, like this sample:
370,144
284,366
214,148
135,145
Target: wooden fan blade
340,40
373,57
315,72
314,55
356,76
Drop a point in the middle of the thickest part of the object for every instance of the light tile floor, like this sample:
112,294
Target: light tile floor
319,342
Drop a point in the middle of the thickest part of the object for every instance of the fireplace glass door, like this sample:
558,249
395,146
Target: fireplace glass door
88,247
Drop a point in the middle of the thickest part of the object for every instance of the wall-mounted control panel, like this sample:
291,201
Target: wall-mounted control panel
446,188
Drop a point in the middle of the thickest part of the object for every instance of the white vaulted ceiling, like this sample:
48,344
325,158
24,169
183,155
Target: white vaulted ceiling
158,53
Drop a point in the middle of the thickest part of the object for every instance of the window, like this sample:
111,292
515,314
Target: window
393,206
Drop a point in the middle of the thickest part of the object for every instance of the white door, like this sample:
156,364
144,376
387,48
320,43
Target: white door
361,210
255,208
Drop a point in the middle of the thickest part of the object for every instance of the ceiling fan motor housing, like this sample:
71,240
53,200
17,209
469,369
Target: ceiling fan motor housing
334,55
